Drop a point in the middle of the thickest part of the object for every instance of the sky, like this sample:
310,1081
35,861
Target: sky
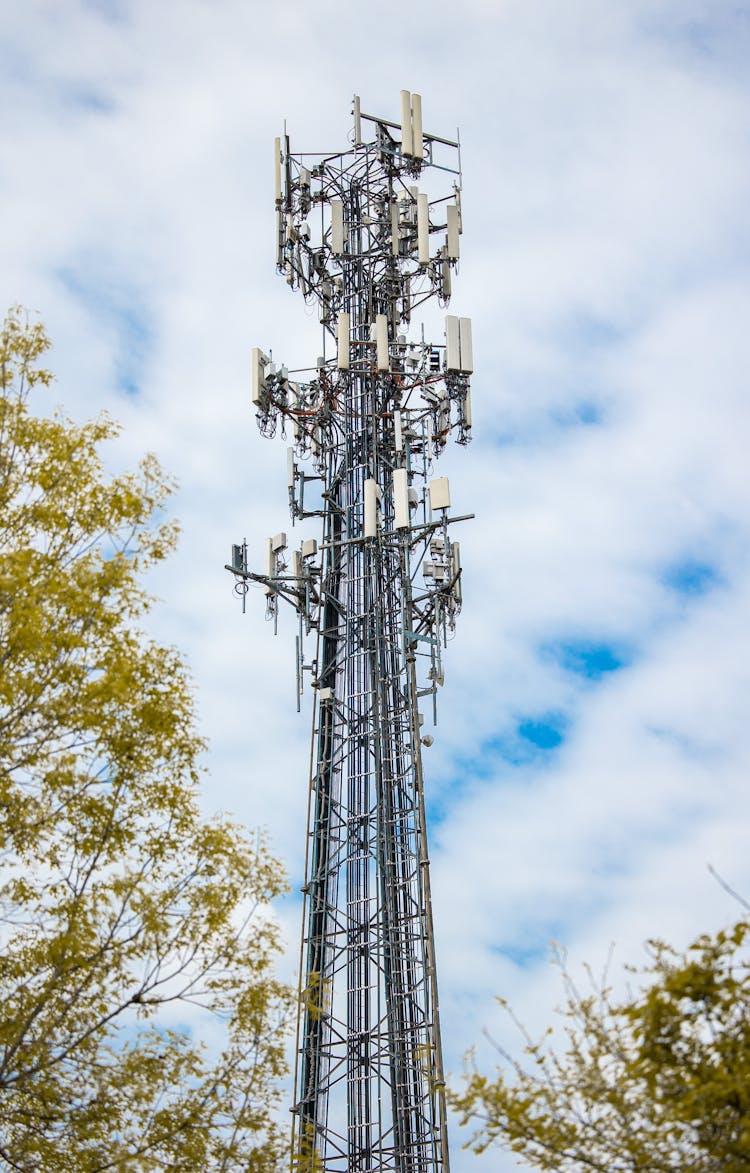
592,755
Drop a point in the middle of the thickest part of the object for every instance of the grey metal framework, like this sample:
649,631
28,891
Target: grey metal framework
370,234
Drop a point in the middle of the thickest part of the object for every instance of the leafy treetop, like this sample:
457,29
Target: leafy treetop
127,921
658,1083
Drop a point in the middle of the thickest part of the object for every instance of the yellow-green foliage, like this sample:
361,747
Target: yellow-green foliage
305,1155
658,1083
122,911
316,997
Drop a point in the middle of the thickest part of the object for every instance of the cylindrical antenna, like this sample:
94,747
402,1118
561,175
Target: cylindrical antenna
381,338
337,227
417,145
453,232
423,229
407,140
342,340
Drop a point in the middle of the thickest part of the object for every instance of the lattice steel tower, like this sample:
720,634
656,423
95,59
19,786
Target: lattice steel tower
370,235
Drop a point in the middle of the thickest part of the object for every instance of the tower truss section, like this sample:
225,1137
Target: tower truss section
370,236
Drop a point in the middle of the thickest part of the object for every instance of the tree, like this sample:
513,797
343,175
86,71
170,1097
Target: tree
658,1082
127,921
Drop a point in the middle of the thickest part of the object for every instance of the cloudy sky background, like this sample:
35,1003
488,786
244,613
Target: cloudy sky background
592,754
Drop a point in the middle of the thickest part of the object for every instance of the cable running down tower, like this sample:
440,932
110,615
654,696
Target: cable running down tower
370,234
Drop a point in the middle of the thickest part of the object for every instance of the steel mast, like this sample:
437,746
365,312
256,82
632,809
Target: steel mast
370,234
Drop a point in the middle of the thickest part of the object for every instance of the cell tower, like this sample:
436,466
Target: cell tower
362,234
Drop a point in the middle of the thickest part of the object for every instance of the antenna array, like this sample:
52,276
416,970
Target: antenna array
363,235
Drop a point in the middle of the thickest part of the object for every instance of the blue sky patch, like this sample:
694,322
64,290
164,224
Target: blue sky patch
114,11
135,344
536,947
588,412
712,754
544,733
719,36
591,659
118,309
82,97
535,737
581,413
691,577
578,411
504,758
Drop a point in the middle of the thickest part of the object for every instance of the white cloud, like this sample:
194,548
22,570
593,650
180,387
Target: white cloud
606,270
